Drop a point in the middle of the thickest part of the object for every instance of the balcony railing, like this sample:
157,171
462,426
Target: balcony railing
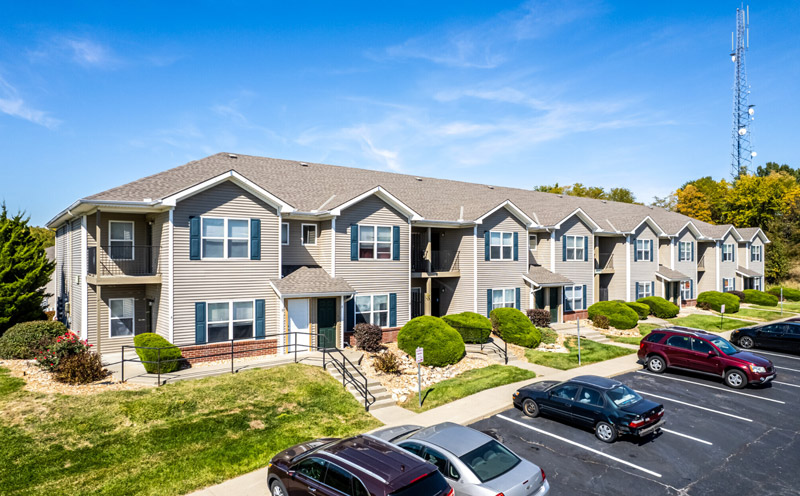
440,261
701,263
605,261
123,260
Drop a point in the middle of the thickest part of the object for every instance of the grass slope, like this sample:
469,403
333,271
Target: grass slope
765,315
463,385
710,323
644,330
168,440
788,306
591,352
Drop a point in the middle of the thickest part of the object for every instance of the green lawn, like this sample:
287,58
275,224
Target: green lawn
465,384
766,315
168,440
591,352
644,330
710,322
788,306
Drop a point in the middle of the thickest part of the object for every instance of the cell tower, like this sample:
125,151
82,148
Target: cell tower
742,153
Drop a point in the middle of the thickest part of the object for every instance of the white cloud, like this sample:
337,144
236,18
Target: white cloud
87,52
12,104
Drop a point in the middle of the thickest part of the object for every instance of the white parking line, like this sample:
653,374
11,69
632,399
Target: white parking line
775,354
687,437
727,390
693,405
787,368
786,384
637,467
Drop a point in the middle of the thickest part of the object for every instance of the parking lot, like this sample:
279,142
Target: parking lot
717,440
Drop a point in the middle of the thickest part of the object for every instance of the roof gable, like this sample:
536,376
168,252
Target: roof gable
235,178
383,195
513,209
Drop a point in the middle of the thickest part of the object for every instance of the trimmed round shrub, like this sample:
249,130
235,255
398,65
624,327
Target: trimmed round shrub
641,309
515,327
757,297
441,343
81,368
539,317
737,294
473,327
788,293
619,314
368,337
549,336
661,308
26,339
600,321
168,352
714,300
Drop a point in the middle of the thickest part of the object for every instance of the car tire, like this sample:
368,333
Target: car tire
276,488
605,432
736,379
530,408
746,342
656,364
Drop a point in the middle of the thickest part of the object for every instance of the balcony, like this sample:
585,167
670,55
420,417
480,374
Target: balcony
123,264
435,263
701,264
604,264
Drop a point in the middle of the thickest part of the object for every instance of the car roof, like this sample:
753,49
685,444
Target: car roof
455,438
686,330
596,381
378,459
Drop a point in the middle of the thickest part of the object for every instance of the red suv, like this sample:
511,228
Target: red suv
701,351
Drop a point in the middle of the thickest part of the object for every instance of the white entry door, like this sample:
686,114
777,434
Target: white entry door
298,322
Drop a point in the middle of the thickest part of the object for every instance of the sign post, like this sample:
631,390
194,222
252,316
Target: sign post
721,314
420,359
781,301
579,342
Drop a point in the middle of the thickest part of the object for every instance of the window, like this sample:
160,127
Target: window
701,346
644,289
755,253
654,337
566,392
727,253
120,317
490,461
120,240
375,242
623,395
309,234
284,233
590,397
503,298
643,249
679,342
686,290
229,320
412,448
684,251
727,284
226,238
757,283
575,245
573,298
533,241
437,459
501,245
372,309
338,479
313,468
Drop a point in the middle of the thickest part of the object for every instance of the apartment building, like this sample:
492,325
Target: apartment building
244,248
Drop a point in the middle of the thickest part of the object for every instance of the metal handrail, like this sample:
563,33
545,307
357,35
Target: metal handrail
471,333
347,376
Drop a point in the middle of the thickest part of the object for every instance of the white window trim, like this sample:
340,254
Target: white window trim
727,257
688,290
577,246
757,283
572,300
505,302
133,318
288,231
230,318
755,249
225,239
302,234
730,286
133,238
374,228
644,294
645,251
536,244
687,256
502,235
372,310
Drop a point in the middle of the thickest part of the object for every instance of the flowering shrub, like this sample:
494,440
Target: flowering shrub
64,346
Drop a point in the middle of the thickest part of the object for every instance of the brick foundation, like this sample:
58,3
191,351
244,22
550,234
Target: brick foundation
241,349
689,303
389,336
580,314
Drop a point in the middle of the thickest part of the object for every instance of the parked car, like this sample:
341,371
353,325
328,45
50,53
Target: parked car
701,351
784,336
474,463
356,466
606,405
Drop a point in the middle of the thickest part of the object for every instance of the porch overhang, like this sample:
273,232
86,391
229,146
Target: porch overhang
540,277
670,275
747,272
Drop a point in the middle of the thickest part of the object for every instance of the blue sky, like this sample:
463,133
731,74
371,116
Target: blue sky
634,94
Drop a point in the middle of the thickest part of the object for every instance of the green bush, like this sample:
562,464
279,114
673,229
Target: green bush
168,352
757,297
661,308
549,336
539,317
26,339
473,327
641,309
442,344
737,294
714,300
600,321
619,314
81,368
788,293
515,327
57,350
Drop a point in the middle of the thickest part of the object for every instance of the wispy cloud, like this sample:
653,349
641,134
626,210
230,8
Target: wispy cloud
89,53
12,104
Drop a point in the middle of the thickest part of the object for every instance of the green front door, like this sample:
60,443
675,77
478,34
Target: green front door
554,300
539,298
326,322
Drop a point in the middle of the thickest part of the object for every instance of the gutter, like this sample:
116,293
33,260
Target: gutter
99,203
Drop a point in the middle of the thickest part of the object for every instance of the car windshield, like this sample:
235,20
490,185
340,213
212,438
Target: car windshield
724,346
432,484
490,460
622,395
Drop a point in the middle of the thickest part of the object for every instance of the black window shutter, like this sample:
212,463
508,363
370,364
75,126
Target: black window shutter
652,288
584,297
260,331
200,322
692,252
519,294
392,309
651,251
585,248
255,239
516,246
486,235
396,243
563,248
353,242
194,238
635,250
636,297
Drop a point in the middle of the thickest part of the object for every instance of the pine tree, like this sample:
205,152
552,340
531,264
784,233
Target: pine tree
24,271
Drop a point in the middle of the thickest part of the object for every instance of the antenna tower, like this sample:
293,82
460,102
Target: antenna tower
742,153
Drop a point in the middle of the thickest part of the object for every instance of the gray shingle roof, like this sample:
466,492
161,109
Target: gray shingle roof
544,277
671,275
311,280
747,272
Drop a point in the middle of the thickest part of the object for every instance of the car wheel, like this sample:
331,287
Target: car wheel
735,379
530,408
746,342
656,364
605,432
277,489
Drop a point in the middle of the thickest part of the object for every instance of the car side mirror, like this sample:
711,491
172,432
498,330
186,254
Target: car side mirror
290,473
712,353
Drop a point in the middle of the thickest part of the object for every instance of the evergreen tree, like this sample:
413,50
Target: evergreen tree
24,271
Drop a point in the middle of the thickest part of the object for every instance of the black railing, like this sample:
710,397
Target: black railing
360,384
603,294
123,260
475,335
418,261
438,261
604,262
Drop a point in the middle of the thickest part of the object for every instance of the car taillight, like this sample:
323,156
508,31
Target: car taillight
543,476
636,423
451,492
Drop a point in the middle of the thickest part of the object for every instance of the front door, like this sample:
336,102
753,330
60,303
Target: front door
326,322
298,324
539,298
554,299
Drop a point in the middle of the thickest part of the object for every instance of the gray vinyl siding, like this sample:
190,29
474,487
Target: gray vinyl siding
324,237
76,278
707,279
107,343
501,274
687,267
754,266
579,272
223,280
664,252
541,255
375,276
617,287
644,271
160,293
62,267
463,295
296,253
728,269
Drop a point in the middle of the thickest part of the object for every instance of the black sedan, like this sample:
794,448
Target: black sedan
784,336
607,406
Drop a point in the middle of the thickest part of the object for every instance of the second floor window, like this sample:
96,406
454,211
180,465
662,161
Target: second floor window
120,240
309,234
685,251
755,253
727,284
727,253
372,309
644,248
225,238
501,245
284,233
503,298
575,247
375,242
